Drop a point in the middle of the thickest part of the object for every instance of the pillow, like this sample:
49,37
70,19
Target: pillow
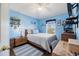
30,31
35,31
50,30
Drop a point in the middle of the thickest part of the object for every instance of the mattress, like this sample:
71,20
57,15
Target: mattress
42,39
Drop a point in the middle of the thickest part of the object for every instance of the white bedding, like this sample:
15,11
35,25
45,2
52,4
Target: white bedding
42,39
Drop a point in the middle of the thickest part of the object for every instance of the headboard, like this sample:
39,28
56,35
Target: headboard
50,20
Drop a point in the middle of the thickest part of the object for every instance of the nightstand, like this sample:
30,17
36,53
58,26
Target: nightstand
18,41
65,36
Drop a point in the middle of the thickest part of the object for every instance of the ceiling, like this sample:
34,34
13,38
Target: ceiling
40,10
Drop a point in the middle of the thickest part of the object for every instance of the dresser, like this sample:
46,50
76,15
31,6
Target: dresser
18,41
66,35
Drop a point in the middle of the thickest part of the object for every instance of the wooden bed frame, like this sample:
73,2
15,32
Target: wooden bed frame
12,44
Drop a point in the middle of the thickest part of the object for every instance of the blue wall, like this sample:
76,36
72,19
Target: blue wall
26,23
41,26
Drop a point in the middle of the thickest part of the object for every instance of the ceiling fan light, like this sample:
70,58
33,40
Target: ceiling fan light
39,8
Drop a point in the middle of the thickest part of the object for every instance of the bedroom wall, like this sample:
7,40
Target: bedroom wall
27,22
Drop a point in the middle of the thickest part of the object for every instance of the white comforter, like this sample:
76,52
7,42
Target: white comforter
42,39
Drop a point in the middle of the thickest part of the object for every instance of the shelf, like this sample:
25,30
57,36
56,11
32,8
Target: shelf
72,18
71,22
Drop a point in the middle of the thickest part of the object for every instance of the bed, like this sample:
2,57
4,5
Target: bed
42,39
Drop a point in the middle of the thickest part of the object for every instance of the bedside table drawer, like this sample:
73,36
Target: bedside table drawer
20,41
65,36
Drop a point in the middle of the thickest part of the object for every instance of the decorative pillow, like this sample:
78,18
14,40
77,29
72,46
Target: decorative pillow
51,30
35,31
30,31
